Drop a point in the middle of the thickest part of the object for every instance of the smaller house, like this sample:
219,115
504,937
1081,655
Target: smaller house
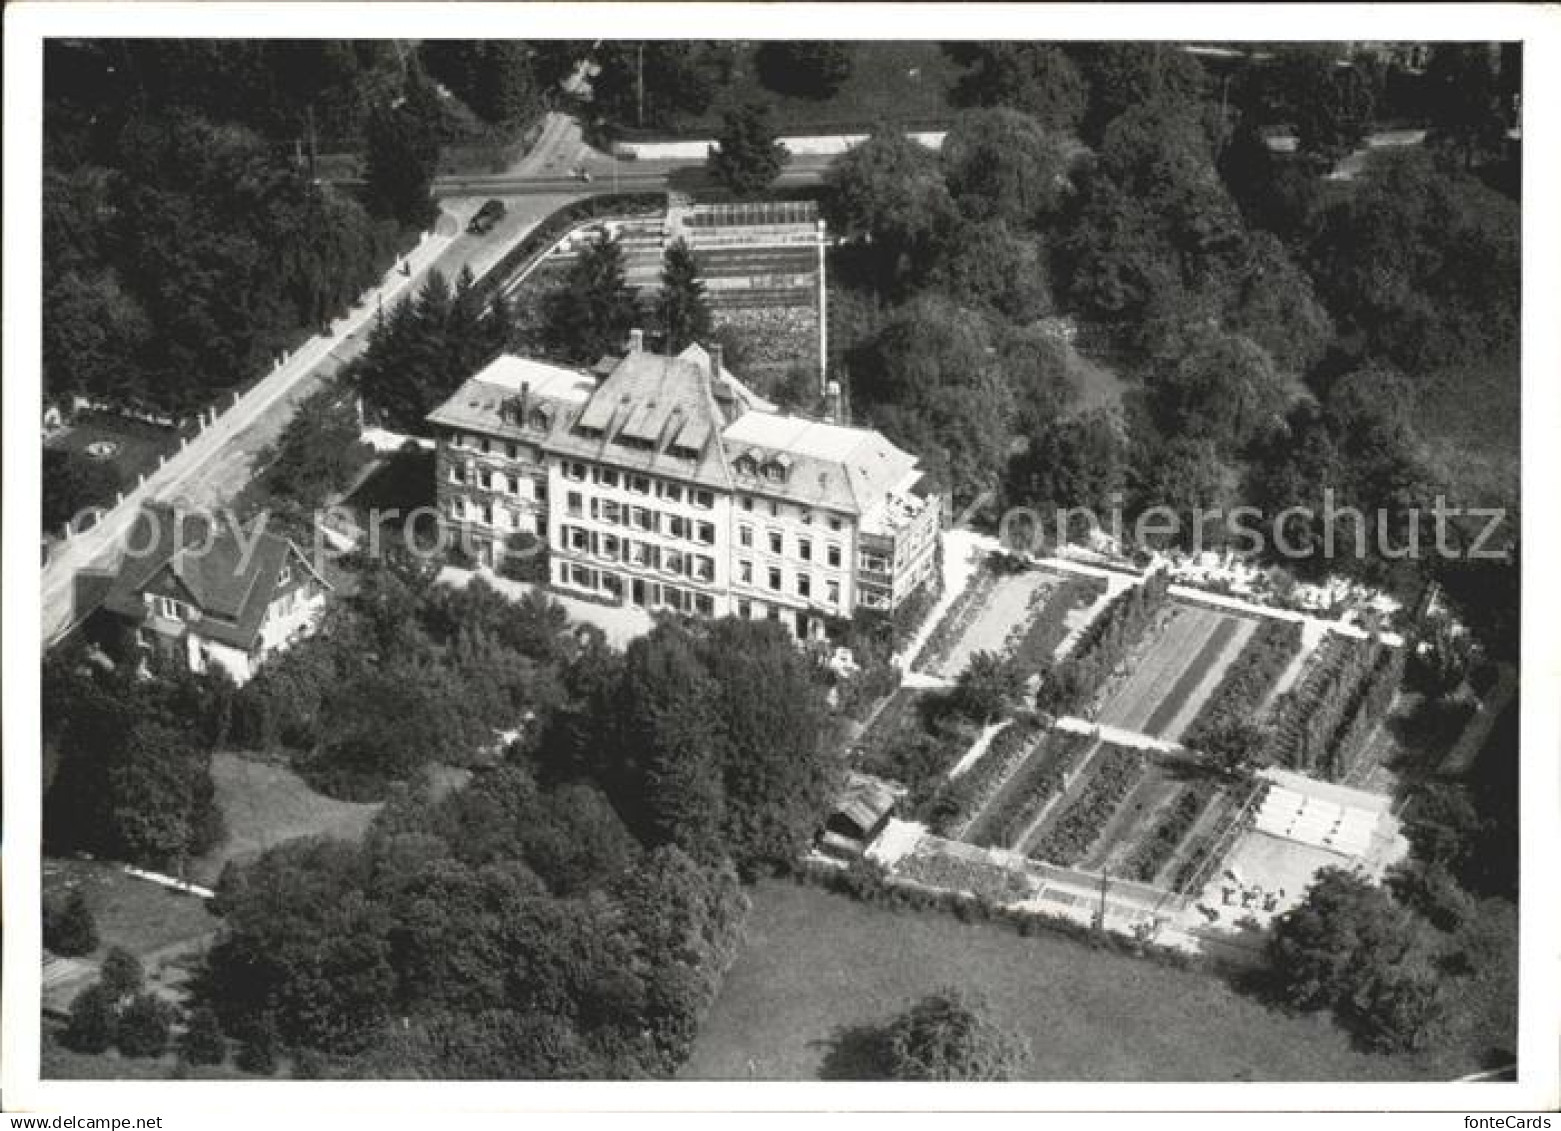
861,812
206,594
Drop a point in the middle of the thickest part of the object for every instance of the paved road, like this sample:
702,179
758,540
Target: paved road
216,465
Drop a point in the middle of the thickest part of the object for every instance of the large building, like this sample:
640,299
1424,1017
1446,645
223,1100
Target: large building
664,483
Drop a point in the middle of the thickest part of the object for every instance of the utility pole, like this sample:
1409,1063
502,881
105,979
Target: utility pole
1100,916
313,146
639,82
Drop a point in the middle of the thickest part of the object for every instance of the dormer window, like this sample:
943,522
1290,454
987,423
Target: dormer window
746,465
774,472
286,574
539,420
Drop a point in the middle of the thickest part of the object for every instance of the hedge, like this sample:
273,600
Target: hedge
1248,680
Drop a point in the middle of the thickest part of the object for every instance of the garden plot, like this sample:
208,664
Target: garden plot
1169,681
1159,787
1074,826
1047,770
1023,616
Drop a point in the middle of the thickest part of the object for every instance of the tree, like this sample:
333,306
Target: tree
1036,78
1235,744
1077,461
495,78
929,379
748,156
986,687
682,311
121,975
1466,103
592,313
93,1018
947,1036
805,68
1001,268
70,930
1348,946
1124,75
889,195
318,452
1224,390
144,1026
203,1041
1000,165
402,155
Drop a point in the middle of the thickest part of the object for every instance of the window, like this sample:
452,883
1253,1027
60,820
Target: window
639,484
704,500
745,536
485,479
677,526
169,608
775,580
706,533
805,549
832,592
804,585
607,477
637,553
875,563
487,447
806,516
745,609
539,491
611,512
773,612
539,420
487,514
776,542
457,473
610,546
584,578
832,555
645,519
672,492
578,539
576,503
834,523
612,583
575,471
704,568
703,605
745,572
672,561
747,502
285,574
512,451
774,472
774,509
745,465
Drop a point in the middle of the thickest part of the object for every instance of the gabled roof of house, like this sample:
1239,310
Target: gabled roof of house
826,465
186,555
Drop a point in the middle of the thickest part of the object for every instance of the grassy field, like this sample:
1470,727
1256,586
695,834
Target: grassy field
817,963
265,804
903,82
135,914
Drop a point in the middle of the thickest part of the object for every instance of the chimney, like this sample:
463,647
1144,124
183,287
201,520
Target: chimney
832,401
636,340
525,401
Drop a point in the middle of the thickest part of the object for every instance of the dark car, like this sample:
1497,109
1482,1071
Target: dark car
487,216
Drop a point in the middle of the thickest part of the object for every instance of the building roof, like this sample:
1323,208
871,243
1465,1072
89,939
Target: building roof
502,399
831,465
202,563
865,801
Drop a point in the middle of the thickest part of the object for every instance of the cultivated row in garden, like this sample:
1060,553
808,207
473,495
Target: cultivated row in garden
1043,775
1074,680
1325,722
1247,682
1113,774
1159,844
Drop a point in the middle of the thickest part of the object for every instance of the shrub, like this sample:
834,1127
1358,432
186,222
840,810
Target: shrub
144,1025
122,974
70,930
1075,679
203,1042
93,1018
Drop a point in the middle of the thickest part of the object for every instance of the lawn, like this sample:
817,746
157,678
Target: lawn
135,914
816,963
264,804
906,83
138,445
